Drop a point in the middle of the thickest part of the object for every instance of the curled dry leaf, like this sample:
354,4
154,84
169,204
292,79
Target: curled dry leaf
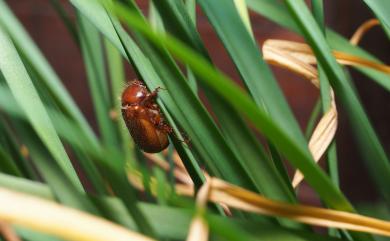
299,58
304,53
52,218
362,30
293,56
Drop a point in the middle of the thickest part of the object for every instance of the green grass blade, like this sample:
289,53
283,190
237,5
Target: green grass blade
56,4
26,186
174,12
242,10
154,18
31,235
23,89
191,9
254,71
325,90
254,158
318,12
92,51
7,165
190,6
274,11
9,142
118,80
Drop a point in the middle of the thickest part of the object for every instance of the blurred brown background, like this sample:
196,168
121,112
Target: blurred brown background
343,16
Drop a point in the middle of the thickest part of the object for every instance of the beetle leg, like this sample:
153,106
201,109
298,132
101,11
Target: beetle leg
151,98
168,129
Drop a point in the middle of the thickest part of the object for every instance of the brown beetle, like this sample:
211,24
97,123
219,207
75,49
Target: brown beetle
143,118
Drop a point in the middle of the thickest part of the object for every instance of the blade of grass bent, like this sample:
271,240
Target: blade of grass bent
27,97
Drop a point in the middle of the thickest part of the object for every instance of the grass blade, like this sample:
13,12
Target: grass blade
257,77
380,9
92,50
22,88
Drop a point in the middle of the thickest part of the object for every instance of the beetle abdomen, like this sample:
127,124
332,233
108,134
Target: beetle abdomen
146,136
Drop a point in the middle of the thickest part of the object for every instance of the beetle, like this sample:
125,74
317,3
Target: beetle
143,117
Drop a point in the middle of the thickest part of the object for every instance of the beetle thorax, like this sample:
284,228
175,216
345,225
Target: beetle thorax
134,94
